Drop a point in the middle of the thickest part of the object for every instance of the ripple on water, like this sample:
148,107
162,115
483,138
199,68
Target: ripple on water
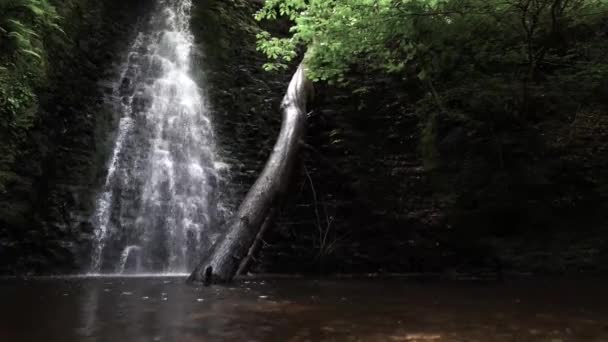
300,310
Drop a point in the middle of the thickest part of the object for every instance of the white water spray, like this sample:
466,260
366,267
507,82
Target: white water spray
160,197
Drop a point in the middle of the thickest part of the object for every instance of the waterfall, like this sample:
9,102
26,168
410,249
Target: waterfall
161,198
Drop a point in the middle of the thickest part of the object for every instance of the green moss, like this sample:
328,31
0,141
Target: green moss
24,25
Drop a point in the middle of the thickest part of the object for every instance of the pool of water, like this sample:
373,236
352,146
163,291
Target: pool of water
166,309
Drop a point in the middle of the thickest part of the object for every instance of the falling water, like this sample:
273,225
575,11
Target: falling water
130,259
159,204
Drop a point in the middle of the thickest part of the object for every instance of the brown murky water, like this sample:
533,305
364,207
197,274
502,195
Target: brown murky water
165,309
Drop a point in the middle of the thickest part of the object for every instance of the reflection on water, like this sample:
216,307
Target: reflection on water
165,309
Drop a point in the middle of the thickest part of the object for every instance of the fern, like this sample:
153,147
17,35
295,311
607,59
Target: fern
31,53
24,24
34,9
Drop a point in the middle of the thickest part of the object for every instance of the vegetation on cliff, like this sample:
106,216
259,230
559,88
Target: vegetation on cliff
55,60
24,26
509,100
448,127
488,60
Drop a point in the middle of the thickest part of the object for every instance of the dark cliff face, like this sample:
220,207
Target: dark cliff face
534,202
382,188
44,212
245,99
368,196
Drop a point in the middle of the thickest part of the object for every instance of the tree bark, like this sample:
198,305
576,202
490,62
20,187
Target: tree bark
222,262
257,244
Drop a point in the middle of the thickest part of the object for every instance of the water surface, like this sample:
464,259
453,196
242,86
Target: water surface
166,309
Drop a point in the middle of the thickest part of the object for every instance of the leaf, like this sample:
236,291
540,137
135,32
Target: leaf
34,9
31,53
422,75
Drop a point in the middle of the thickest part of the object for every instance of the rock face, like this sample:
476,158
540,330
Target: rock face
368,195
381,206
44,212
245,99
382,189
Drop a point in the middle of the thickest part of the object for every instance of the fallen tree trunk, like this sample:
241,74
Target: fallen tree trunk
222,262
257,243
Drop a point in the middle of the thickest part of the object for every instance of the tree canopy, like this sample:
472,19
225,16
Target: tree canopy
427,36
485,64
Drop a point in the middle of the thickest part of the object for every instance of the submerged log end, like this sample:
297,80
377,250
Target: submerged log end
204,275
218,268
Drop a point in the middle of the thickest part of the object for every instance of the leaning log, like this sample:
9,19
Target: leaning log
222,262
249,259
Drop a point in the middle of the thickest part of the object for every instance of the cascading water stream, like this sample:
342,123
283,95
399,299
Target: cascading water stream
159,205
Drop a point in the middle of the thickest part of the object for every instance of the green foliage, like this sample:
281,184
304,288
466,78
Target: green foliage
22,57
495,62
425,36
21,22
24,24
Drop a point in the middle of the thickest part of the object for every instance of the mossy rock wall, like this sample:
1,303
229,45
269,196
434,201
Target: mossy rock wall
385,187
381,187
46,204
